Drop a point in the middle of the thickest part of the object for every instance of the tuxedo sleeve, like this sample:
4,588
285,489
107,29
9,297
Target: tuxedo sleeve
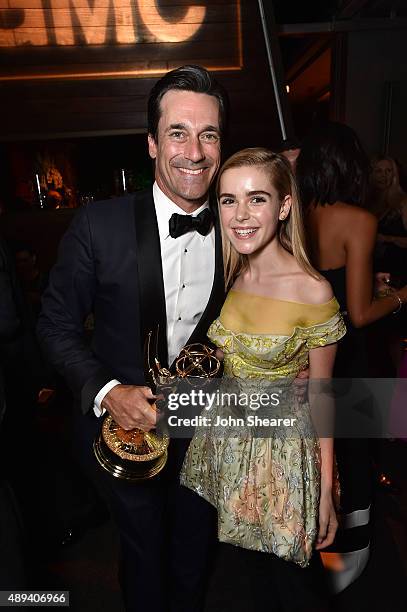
66,303
9,321
9,318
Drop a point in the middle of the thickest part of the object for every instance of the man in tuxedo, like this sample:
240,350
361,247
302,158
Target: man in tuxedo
135,262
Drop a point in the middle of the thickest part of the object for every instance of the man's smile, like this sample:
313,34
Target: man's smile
193,172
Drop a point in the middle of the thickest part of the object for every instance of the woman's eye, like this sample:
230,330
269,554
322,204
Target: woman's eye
257,200
227,201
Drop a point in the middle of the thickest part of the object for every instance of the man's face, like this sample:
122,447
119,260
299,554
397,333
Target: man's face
187,149
25,264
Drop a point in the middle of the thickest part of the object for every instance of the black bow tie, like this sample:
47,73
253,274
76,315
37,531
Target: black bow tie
181,224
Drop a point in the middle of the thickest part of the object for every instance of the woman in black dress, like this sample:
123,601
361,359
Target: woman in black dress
332,170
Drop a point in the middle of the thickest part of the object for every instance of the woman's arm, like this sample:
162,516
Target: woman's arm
321,361
400,241
362,307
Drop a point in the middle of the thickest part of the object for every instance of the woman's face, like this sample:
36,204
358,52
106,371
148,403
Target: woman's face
383,173
250,208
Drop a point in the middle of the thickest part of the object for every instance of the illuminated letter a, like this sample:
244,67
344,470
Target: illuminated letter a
22,26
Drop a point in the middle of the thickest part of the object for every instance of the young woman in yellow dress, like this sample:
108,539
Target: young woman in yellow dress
274,492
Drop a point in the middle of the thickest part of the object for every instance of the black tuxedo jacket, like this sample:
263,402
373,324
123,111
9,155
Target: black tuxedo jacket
109,264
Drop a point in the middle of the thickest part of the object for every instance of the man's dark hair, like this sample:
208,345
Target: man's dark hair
332,166
186,78
19,247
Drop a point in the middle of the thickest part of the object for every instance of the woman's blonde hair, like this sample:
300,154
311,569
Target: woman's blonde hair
291,229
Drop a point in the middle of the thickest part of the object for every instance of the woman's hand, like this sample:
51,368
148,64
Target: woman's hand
300,386
328,523
219,354
382,283
400,241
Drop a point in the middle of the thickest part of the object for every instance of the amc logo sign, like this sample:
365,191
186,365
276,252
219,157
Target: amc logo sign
201,32
27,22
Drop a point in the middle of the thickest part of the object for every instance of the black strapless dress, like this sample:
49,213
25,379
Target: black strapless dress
351,360
352,455
388,256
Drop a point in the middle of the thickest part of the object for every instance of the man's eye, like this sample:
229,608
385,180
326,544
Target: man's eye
210,137
177,135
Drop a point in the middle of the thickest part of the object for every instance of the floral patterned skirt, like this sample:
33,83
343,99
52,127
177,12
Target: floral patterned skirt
266,489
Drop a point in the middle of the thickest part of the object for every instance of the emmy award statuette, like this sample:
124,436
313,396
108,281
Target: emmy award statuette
137,455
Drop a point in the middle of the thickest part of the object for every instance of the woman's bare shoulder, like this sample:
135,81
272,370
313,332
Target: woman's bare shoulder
356,222
315,290
357,214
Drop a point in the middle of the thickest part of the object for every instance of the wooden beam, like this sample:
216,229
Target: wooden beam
337,107
296,29
308,57
391,4
352,8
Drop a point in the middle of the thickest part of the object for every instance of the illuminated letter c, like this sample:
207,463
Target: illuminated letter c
167,31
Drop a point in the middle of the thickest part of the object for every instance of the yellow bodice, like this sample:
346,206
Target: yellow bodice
268,338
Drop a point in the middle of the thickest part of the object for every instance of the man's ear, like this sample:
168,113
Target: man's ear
152,146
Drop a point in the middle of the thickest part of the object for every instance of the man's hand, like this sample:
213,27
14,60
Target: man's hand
328,523
131,407
45,395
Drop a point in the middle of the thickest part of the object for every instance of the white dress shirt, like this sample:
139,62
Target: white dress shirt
188,271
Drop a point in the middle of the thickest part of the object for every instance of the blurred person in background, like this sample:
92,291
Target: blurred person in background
11,532
388,201
28,530
32,280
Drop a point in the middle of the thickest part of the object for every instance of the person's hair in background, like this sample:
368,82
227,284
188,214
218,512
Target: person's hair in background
290,149
332,166
186,78
291,229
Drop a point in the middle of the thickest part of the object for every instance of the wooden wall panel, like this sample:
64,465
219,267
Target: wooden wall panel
43,108
51,38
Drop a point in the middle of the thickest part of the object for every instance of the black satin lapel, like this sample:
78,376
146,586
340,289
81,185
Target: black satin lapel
217,296
150,272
